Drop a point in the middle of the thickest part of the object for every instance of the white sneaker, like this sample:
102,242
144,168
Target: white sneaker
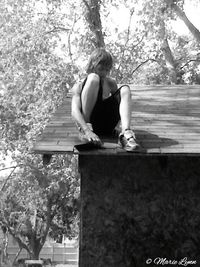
127,141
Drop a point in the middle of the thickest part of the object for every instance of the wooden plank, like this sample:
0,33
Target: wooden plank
190,140
179,150
166,88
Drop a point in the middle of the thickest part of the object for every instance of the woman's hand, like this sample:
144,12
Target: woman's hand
92,137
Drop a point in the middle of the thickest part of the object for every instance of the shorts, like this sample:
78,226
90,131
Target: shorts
105,115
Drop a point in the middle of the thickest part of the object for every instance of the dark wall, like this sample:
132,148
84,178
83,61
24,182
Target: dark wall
139,207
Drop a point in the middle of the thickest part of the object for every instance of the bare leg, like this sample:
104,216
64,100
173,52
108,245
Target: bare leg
89,96
125,107
127,138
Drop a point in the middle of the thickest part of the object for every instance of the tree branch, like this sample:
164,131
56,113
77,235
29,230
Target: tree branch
69,36
18,239
57,29
9,176
11,167
142,63
87,5
17,255
181,14
49,219
19,165
134,46
127,39
191,60
129,26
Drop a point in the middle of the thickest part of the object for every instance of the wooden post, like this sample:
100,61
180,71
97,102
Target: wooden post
139,209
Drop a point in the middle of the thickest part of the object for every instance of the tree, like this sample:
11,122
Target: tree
34,82
38,201
177,7
154,53
93,18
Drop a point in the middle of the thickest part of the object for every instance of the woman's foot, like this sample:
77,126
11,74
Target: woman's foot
127,141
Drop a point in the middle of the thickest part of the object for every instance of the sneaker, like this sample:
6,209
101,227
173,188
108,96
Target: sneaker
128,142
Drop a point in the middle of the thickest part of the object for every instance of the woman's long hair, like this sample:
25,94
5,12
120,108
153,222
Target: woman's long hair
99,55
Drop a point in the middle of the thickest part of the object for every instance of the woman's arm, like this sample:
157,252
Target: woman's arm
76,106
78,116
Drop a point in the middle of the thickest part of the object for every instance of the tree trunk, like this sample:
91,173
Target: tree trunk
169,59
4,252
181,14
34,246
170,63
35,252
16,256
93,18
34,255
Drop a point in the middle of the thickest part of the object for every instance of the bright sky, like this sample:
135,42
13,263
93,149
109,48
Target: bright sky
121,17
193,13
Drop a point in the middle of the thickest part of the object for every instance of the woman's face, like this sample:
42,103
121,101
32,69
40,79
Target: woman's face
102,70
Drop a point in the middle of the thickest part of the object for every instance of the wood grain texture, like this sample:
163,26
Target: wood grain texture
166,119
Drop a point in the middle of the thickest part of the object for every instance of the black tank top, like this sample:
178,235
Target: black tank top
105,114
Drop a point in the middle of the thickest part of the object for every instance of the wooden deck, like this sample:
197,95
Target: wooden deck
166,120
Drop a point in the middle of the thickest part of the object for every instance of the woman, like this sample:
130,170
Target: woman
98,105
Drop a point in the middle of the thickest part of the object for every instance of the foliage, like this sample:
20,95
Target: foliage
34,81
39,200
154,225
138,47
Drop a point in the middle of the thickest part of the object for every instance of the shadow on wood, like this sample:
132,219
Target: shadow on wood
148,140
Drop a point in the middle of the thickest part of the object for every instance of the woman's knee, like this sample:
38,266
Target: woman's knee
125,91
89,95
93,77
92,83
90,89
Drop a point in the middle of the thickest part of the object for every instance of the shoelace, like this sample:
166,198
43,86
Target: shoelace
129,134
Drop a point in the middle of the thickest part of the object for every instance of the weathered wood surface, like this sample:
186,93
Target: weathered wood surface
166,119
139,207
